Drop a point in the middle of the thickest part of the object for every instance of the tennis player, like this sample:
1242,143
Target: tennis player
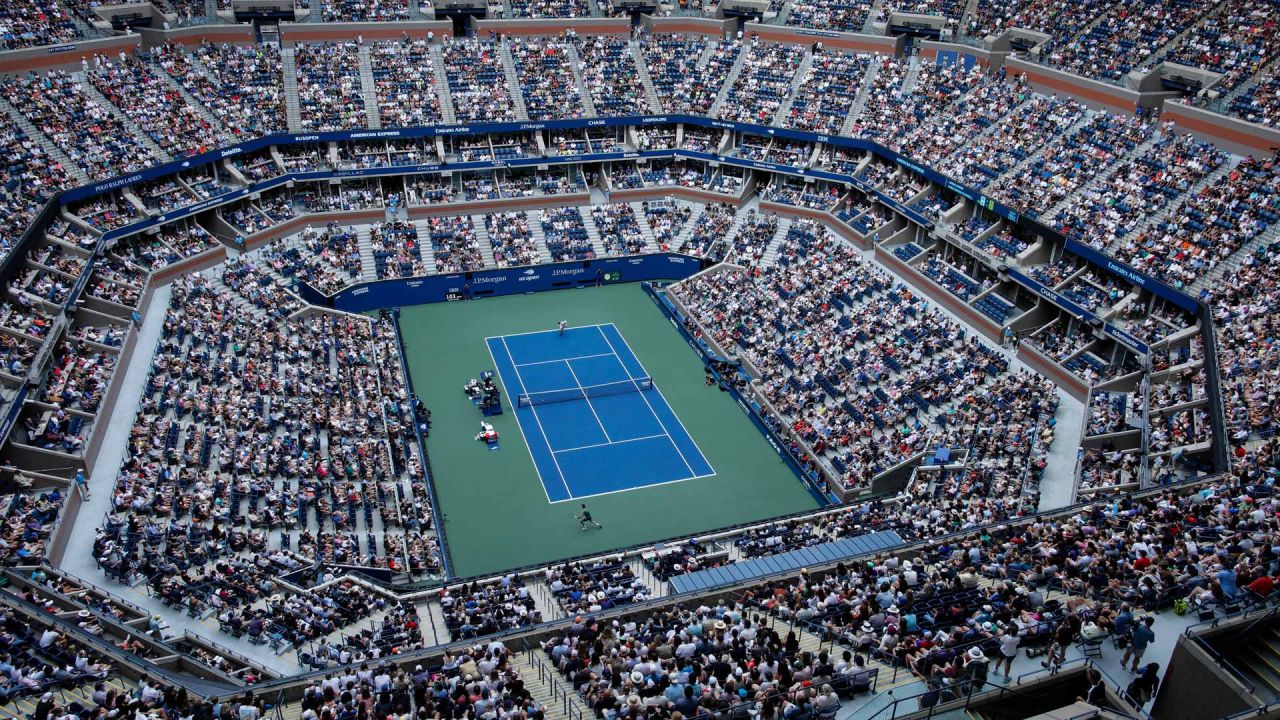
585,521
563,324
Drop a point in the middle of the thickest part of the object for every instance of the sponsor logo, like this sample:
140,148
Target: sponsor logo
375,134
62,48
595,123
568,271
230,151
530,271
359,291
672,258
533,126
414,284
306,138
489,280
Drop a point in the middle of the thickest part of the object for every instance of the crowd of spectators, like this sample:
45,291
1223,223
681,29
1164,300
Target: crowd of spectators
477,80
674,63
546,78
330,94
404,81
511,238
243,87
82,128
609,72
764,82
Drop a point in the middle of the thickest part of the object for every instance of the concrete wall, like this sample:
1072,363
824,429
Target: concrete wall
370,31
582,26
689,25
833,223
65,56
843,41
988,59
684,193
1042,364
1194,686
1093,93
189,36
940,295
1239,136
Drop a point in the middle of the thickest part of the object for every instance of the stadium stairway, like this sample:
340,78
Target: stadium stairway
770,257
646,80
52,151
912,76
799,79
1236,259
646,230
553,697
211,8
810,642
1105,175
1257,658
368,90
539,237
686,232
204,112
1016,168
92,93
484,241
1163,213
707,52
442,85
293,109
860,101
368,267
575,62
424,238
593,233
513,80
734,71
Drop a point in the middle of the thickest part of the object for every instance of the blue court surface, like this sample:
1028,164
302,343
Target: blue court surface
594,421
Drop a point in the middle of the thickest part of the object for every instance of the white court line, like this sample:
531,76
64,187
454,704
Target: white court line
571,328
576,357
632,489
528,447
590,407
545,440
646,399
664,397
604,444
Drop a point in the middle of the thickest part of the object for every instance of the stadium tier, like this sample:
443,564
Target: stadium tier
545,359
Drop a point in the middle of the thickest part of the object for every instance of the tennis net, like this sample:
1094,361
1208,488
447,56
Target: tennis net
583,393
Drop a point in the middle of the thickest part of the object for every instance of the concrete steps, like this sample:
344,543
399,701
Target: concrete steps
913,75
427,248
51,150
292,108
368,90
646,230
1234,261
575,62
860,101
368,268
593,232
484,241
190,99
771,252
539,239
1163,214
646,80
732,77
513,81
92,93
797,81
1106,173
442,84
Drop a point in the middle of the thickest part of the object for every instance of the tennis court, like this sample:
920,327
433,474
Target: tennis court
593,419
